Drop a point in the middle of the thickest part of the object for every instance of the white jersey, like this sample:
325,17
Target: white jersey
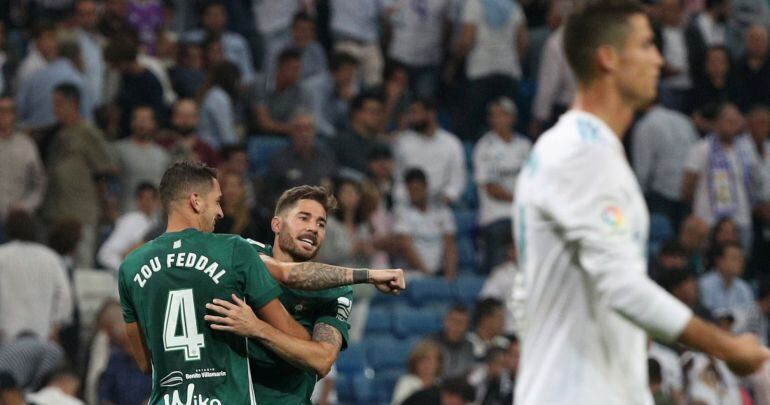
581,229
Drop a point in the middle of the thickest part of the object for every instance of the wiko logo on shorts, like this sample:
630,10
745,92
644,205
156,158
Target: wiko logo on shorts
172,380
190,399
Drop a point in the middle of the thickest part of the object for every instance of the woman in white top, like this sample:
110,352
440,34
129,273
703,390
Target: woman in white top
424,365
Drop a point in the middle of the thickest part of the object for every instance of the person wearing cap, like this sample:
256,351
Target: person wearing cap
497,160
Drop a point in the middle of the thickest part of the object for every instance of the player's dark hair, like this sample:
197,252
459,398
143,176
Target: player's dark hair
459,386
69,91
415,174
182,178
486,308
319,194
145,186
598,23
19,225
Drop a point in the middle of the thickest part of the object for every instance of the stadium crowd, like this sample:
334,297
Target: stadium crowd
419,115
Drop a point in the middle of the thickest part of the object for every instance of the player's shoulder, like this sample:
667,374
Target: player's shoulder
329,294
260,247
578,139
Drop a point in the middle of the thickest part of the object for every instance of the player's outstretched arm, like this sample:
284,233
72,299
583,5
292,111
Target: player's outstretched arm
320,276
317,355
743,354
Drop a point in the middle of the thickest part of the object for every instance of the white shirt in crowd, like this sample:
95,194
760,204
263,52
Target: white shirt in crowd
357,19
494,50
660,143
128,232
29,269
440,156
137,164
671,370
556,84
427,230
709,381
418,30
496,161
581,228
675,54
505,278
698,163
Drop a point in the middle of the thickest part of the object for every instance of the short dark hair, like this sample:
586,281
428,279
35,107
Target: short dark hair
65,236
181,178
145,186
459,307
672,248
69,91
599,22
319,194
721,249
379,151
19,225
211,3
415,174
121,50
714,3
486,307
41,27
670,279
358,101
342,59
289,54
302,16
426,102
460,387
228,151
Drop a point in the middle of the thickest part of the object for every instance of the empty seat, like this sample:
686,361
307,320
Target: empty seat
467,288
352,359
417,322
387,352
424,291
261,148
378,321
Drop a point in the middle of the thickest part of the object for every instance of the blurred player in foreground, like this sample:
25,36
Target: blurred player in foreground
165,284
581,227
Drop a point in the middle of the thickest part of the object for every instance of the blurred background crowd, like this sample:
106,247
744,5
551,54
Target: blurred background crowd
419,115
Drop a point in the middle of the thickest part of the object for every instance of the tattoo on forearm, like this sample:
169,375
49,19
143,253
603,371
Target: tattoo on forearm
328,334
319,276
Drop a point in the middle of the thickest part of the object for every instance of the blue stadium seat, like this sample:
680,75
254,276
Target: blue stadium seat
379,321
661,230
387,352
470,197
352,359
385,382
388,301
414,322
467,289
343,383
466,251
468,147
261,148
466,221
423,291
364,389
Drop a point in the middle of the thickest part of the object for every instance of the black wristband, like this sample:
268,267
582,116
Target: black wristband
360,276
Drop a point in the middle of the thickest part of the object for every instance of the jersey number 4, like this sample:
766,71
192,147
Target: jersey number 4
181,307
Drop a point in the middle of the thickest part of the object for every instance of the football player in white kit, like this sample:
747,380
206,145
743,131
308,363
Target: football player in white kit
581,228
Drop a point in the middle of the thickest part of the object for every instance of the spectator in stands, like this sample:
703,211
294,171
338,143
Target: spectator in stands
493,64
236,49
758,126
61,388
145,18
64,239
240,218
354,145
438,153
34,96
10,394
348,234
131,227
235,159
753,68
30,269
708,380
29,359
722,174
380,170
303,39
22,176
661,140
498,157
456,349
722,288
666,380
671,256
706,29
655,376
758,314
305,161
275,101
427,230
504,281
417,42
676,83
218,99
140,159
495,380
332,98
355,29
724,232
424,366
138,86
490,323
453,391
213,51
78,155
90,41
114,22
44,49
187,74
398,97
694,238
181,139
718,84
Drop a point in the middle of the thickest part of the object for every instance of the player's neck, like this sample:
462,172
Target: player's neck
607,105
179,222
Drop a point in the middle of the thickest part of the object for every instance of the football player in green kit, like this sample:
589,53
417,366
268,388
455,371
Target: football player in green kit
299,225
164,285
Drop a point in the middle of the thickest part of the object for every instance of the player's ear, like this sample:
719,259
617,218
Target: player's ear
607,58
275,224
195,202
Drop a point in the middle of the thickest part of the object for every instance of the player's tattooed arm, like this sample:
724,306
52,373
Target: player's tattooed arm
323,332
320,276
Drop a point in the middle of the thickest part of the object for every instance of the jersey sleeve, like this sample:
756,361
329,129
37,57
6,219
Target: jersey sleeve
593,214
126,303
259,286
336,313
